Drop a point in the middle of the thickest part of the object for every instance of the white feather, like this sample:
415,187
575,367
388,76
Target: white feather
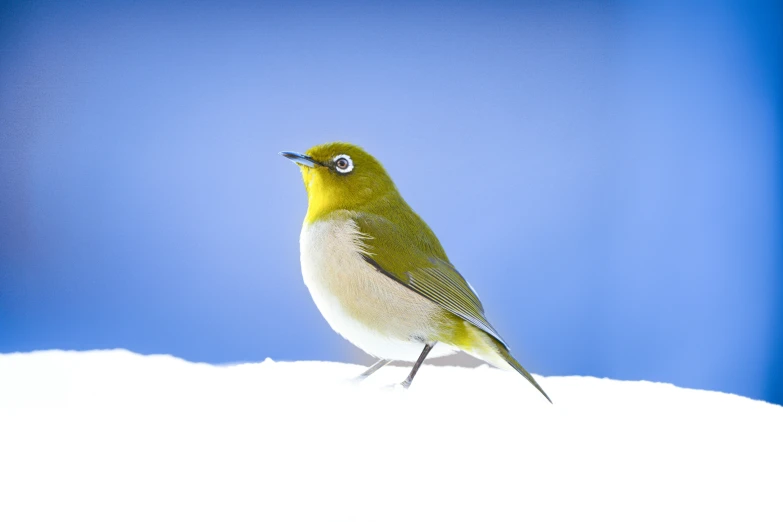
369,309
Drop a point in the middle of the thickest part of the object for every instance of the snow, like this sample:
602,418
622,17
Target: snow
112,435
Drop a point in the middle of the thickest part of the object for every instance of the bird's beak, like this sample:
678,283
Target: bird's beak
301,159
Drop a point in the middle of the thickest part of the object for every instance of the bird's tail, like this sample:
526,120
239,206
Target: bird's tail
496,353
509,359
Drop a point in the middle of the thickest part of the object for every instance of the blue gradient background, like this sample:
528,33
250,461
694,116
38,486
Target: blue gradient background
607,175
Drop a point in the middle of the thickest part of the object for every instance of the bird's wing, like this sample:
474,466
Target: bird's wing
411,255
407,251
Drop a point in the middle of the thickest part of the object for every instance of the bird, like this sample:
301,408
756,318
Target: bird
377,272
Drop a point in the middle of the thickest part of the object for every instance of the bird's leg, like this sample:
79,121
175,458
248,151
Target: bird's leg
380,363
407,382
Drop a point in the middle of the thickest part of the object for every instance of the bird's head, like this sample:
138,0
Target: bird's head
341,176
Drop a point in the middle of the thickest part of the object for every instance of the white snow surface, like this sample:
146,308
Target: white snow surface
112,435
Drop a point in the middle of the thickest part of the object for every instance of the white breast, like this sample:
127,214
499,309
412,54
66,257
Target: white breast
377,314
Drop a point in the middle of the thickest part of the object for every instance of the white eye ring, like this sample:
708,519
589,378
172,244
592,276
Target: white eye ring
345,166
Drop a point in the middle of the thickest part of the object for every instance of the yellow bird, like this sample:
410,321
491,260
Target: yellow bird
379,275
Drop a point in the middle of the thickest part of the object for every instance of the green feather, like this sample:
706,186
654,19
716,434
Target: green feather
419,263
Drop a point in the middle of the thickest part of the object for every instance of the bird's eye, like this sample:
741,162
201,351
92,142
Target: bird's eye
343,163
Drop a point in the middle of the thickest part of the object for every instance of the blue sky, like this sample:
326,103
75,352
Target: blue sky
606,175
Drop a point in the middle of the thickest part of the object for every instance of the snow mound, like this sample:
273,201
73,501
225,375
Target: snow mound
111,435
